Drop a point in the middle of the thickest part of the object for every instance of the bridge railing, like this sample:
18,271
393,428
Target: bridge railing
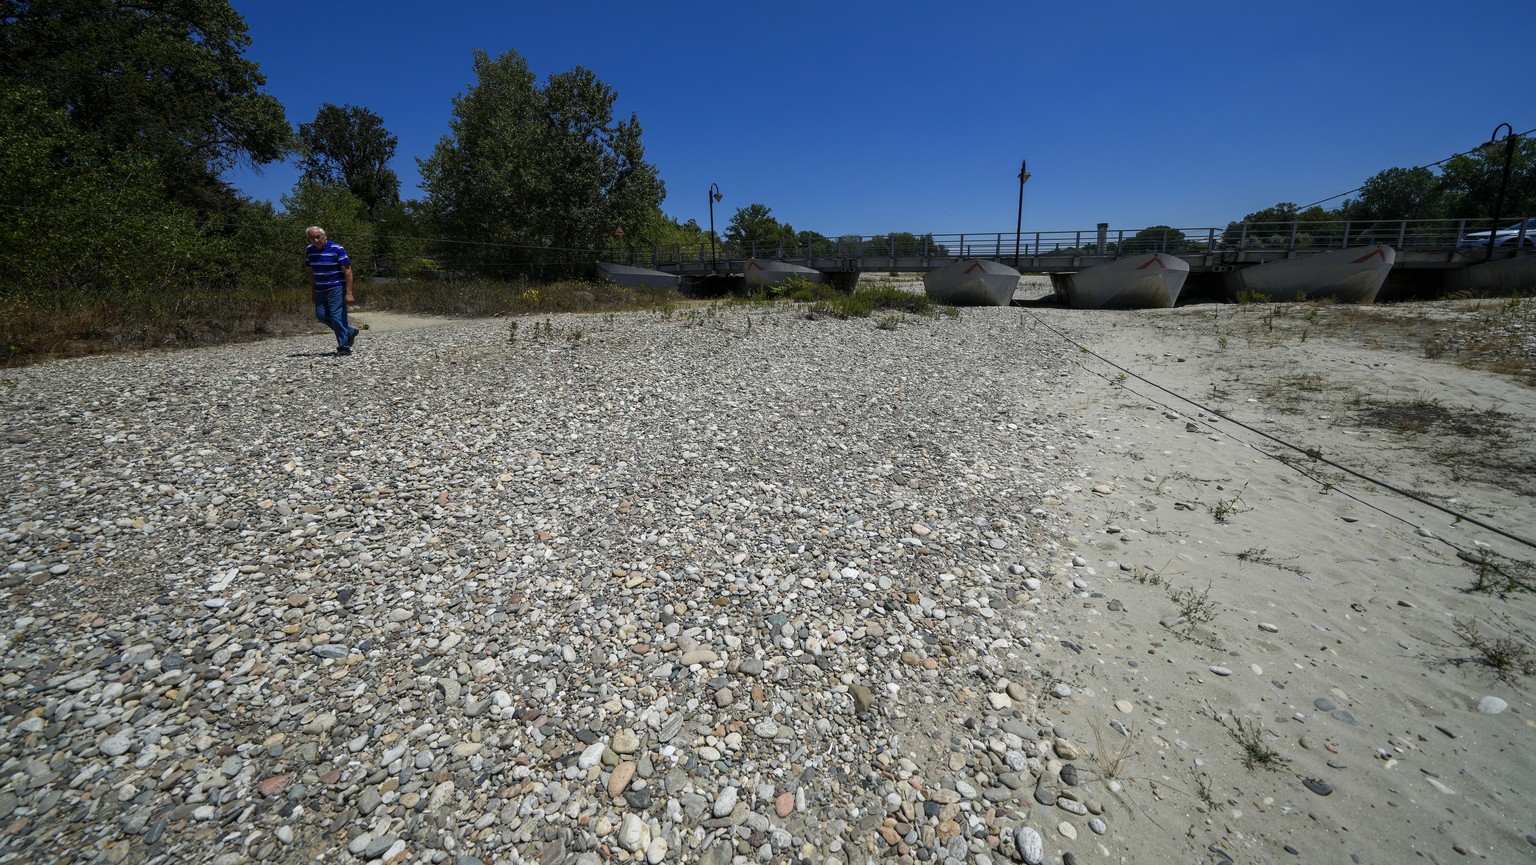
1421,235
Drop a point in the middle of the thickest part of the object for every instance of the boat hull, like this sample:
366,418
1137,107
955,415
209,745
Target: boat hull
1351,275
972,282
1150,281
766,274
636,277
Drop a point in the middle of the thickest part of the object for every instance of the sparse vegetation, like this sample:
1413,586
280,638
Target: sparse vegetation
1195,607
1500,574
1509,657
1262,557
1110,765
1253,739
1152,578
1224,509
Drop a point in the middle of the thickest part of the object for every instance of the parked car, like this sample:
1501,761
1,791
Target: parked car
1523,233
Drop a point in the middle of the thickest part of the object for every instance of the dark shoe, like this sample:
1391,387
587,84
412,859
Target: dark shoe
353,338
343,351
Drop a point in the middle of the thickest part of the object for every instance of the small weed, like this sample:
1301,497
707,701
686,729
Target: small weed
1203,790
1501,574
1221,341
889,322
1224,509
1262,557
1253,739
1152,578
1110,766
1196,608
1509,657
511,333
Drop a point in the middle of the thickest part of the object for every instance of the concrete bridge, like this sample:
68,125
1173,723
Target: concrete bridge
1433,256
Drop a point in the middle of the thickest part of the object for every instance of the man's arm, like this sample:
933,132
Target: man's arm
346,271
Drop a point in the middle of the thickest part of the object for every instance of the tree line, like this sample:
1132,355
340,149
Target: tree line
119,121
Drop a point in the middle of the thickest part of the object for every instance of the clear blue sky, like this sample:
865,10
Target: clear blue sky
914,116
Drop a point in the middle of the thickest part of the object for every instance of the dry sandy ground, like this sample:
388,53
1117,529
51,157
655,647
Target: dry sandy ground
1319,489
1307,535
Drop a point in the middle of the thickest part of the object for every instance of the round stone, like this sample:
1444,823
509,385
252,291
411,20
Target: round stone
1491,705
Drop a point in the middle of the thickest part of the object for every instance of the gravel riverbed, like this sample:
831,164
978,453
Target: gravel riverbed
705,586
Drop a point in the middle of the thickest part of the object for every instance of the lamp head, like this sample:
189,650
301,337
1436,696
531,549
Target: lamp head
1494,143
717,196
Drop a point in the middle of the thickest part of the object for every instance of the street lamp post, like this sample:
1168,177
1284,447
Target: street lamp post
714,196
1491,148
1018,227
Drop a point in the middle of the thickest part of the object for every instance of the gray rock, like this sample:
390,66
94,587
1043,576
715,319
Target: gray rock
1491,705
1030,845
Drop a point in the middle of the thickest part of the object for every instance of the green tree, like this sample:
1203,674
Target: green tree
350,146
1155,238
1471,183
662,236
343,215
165,79
536,175
1398,193
754,231
85,222
903,243
1272,226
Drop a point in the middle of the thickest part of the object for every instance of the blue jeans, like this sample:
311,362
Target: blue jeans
331,310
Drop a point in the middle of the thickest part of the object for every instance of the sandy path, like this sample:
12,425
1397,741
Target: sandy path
1334,602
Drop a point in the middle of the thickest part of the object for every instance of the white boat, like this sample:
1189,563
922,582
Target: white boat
636,277
1149,281
764,274
972,282
1348,275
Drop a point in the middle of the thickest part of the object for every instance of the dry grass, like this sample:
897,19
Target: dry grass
72,325
34,329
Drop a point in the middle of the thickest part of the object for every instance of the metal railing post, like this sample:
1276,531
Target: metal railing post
1242,242
1402,233
1347,225
1294,227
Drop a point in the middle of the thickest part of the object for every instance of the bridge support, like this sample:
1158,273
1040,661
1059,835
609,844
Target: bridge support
842,280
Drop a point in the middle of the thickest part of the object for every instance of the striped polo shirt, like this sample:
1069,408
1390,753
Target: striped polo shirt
326,264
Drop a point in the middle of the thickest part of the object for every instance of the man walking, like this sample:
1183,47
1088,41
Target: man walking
331,275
